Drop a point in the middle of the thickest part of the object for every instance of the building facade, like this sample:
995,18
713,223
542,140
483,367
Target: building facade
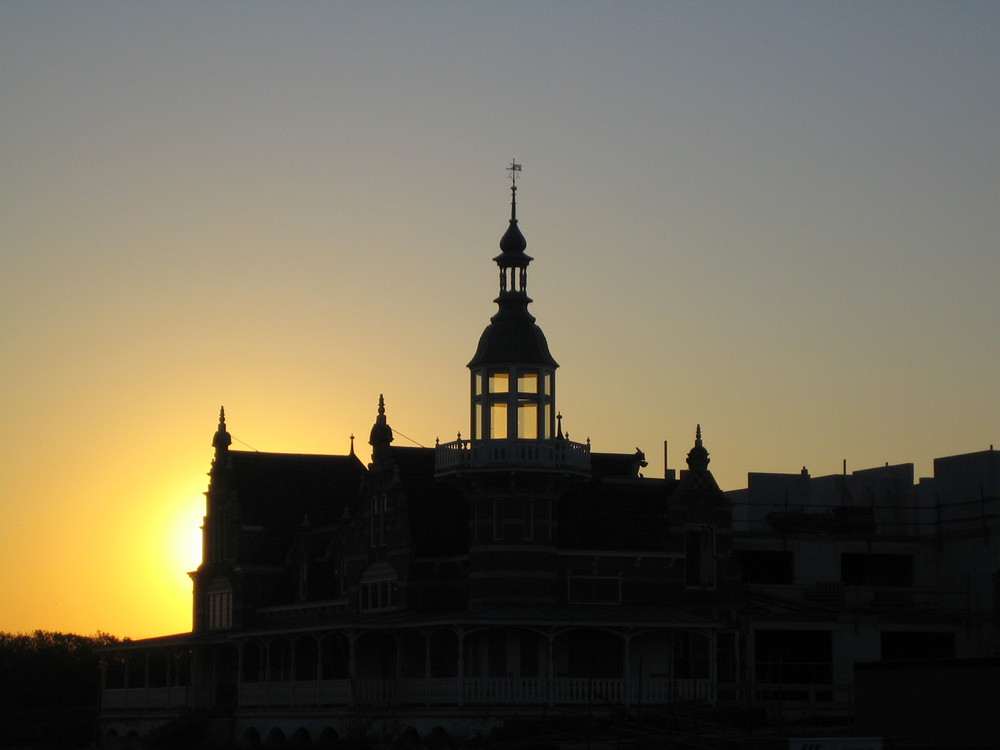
517,574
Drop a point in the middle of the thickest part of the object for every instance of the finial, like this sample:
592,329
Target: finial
222,440
559,432
697,458
352,444
514,168
381,404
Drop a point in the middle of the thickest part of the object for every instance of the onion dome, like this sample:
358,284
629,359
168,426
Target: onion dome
381,433
222,439
697,458
512,337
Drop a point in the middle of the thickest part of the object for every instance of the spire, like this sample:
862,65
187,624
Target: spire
221,440
513,243
697,458
381,434
512,335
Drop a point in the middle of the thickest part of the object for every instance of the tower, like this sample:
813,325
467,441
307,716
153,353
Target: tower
516,463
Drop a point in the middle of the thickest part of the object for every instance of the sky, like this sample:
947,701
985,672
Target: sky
774,219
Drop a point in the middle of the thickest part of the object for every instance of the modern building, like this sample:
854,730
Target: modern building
518,575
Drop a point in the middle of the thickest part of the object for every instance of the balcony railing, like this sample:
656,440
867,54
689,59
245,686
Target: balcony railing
499,691
481,691
535,455
146,698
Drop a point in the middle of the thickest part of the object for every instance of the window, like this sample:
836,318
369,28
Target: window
767,566
499,382
497,520
594,589
527,382
899,646
858,569
699,556
377,587
795,660
376,520
498,421
219,605
527,419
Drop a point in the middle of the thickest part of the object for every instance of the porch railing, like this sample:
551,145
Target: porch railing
147,698
504,691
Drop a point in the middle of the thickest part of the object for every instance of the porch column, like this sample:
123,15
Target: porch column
627,671
427,666
266,658
352,668
240,673
460,681
551,668
713,665
319,666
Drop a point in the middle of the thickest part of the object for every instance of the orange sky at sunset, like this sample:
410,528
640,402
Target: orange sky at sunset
775,219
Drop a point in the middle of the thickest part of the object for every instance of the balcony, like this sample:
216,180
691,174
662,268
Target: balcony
507,691
557,454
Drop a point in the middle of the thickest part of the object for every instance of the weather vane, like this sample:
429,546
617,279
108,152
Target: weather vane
514,168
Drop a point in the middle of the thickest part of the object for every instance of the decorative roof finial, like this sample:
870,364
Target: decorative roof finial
381,432
697,458
222,440
514,170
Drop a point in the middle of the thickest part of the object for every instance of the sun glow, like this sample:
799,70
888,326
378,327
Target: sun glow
173,541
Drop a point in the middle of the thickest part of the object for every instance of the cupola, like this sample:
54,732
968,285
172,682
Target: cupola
513,372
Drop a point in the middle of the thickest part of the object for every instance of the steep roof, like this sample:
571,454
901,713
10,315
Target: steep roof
438,514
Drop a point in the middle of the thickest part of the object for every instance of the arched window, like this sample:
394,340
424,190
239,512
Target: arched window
377,588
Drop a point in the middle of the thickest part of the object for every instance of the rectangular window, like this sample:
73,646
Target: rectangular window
767,566
477,422
900,646
794,662
477,384
497,520
699,556
859,569
220,610
527,382
498,421
527,419
499,382
594,589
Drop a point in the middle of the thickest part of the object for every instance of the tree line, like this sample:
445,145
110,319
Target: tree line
50,686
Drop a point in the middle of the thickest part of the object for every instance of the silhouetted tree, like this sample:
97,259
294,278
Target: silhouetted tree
49,687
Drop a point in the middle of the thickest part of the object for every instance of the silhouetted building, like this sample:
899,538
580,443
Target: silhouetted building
516,572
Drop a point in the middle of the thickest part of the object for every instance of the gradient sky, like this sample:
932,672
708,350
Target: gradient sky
778,219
